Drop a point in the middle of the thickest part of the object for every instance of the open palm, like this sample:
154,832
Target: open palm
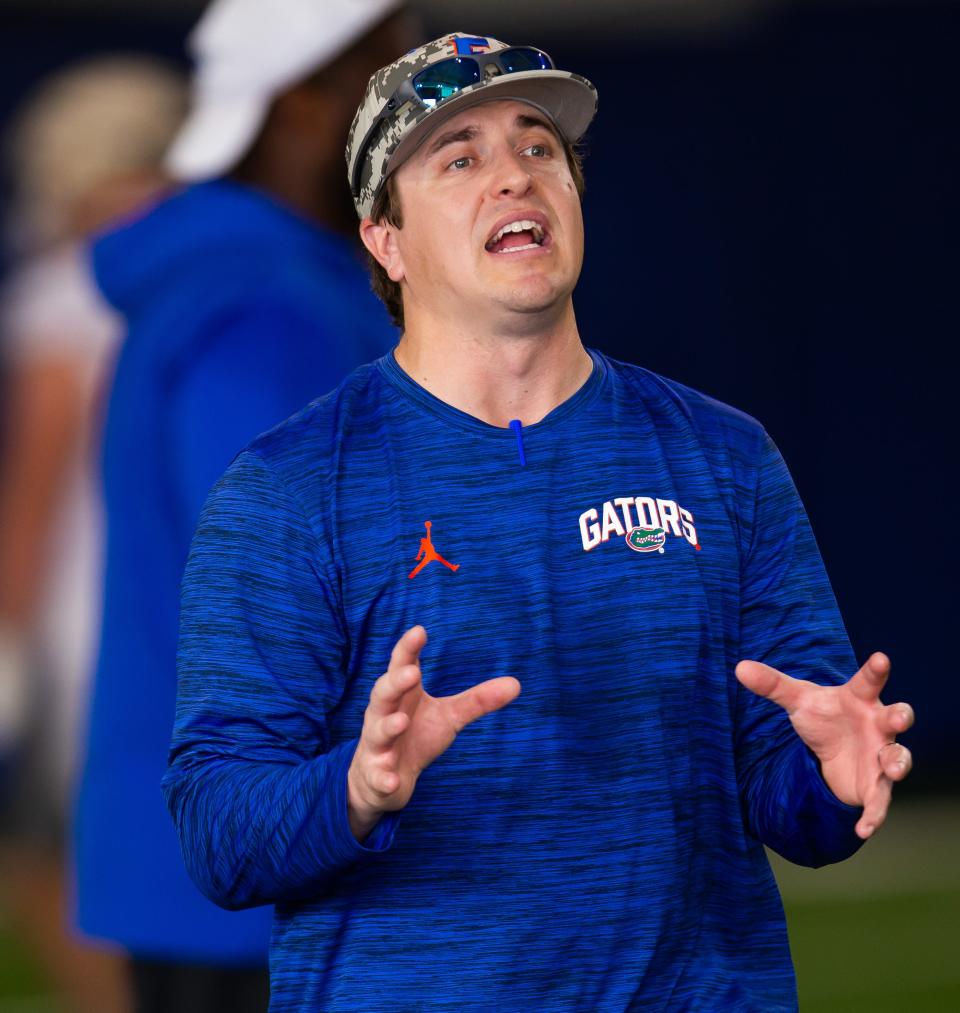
405,729
851,732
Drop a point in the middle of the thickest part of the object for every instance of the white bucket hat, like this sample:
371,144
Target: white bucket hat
248,51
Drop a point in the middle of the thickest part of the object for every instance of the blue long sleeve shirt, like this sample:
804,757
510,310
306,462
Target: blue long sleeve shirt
598,844
238,313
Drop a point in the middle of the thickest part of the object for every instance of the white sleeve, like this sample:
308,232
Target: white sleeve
50,308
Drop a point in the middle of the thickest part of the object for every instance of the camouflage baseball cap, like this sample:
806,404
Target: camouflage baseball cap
393,120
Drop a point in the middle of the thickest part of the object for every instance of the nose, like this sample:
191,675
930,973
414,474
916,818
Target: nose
510,177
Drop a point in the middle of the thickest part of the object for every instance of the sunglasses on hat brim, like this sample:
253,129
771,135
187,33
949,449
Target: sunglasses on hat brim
445,79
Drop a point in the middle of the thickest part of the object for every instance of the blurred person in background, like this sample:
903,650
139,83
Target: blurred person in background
85,148
245,296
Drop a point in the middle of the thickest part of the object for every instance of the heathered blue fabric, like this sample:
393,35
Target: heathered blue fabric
597,844
239,312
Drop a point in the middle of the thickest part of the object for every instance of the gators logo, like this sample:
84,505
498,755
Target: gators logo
646,539
464,46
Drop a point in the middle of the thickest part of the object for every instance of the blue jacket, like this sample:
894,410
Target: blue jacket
239,312
598,844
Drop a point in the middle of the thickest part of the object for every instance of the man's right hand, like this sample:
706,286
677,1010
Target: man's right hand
405,730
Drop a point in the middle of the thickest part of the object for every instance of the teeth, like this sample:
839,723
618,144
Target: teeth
520,226
517,249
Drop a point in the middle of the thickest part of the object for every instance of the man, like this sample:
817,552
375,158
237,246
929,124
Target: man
621,543
244,295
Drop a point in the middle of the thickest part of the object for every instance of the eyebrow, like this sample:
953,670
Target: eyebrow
470,132
536,121
452,137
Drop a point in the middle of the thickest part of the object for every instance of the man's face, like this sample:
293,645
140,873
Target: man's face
494,166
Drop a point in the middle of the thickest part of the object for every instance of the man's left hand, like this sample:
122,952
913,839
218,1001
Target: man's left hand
850,731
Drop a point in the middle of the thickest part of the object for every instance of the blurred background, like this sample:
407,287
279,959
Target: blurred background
772,217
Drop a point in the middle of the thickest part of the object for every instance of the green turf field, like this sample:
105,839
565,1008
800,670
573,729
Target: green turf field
877,955
22,988
878,933
881,932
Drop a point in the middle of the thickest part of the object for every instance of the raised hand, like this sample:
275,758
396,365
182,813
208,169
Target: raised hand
849,730
405,730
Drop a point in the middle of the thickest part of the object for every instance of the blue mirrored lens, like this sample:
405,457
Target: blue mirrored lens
515,60
444,79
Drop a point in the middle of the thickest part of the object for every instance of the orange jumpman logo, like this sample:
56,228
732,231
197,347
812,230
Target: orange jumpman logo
428,554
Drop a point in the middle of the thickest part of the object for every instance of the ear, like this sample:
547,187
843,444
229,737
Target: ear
380,239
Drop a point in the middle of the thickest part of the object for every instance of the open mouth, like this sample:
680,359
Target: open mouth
516,236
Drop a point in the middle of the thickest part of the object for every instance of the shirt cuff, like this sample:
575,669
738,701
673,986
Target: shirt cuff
823,825
344,848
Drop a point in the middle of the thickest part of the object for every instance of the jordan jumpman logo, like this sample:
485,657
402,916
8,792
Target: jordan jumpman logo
428,554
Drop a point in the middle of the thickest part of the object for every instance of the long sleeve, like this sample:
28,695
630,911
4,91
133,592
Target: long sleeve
790,620
256,791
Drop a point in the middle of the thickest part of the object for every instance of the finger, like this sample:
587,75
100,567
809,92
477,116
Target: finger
776,686
896,761
482,699
389,689
382,732
875,808
407,649
896,718
383,782
871,678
